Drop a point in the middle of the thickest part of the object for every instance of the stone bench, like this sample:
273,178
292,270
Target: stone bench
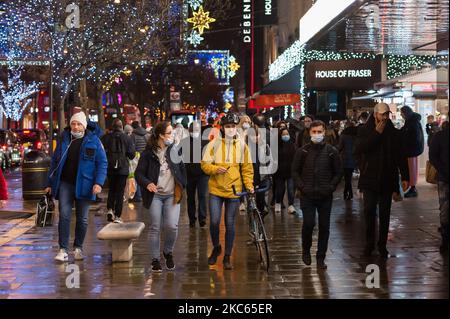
121,237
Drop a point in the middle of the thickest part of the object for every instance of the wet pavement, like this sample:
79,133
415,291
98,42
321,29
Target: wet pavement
417,270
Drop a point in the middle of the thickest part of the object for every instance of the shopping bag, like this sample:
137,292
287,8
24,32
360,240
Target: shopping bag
130,188
44,211
431,175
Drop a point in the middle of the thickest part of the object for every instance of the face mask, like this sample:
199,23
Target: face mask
77,135
195,135
318,138
230,132
285,138
169,141
245,126
307,125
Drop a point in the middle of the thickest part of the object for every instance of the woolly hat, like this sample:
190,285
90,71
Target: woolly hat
80,117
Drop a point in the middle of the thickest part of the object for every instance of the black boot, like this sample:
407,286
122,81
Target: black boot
227,263
215,253
321,263
306,256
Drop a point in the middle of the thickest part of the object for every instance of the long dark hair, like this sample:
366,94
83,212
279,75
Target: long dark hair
159,129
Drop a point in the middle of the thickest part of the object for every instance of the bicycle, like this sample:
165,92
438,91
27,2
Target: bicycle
257,230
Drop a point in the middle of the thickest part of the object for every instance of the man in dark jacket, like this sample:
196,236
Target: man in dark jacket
439,159
197,180
140,138
413,141
119,149
317,171
431,128
77,174
379,150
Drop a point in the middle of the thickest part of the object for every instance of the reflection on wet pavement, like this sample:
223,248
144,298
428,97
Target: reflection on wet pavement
418,270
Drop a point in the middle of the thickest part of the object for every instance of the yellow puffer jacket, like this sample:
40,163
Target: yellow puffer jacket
233,155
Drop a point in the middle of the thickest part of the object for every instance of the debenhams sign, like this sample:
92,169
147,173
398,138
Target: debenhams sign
345,74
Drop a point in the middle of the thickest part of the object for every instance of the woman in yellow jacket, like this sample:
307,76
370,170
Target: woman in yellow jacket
228,162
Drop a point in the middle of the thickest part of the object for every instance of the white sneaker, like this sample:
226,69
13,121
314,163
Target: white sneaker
242,207
118,220
291,209
278,208
78,254
110,215
62,256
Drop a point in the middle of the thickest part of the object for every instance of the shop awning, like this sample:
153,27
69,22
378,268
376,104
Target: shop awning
287,84
374,96
378,26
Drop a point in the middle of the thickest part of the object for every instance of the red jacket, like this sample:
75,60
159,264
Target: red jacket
3,187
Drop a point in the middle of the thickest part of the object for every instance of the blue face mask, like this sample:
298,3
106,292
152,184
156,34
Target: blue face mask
285,138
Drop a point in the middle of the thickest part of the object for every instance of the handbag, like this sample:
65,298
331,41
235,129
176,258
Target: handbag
44,211
431,174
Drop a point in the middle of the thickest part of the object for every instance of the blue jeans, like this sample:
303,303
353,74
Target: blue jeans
197,185
138,194
163,213
215,208
281,189
65,204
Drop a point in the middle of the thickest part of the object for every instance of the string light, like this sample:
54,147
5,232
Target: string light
397,65
15,94
108,37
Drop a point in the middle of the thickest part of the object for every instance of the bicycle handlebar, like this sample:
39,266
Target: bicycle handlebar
257,190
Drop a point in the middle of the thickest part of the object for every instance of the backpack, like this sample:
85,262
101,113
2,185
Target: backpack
116,154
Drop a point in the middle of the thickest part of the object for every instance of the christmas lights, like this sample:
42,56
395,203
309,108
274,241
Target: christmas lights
397,65
111,34
15,94
195,38
201,20
234,66
195,4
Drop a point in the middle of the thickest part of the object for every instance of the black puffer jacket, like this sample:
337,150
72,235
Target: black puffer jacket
286,152
139,138
317,170
439,154
127,146
381,158
412,134
147,172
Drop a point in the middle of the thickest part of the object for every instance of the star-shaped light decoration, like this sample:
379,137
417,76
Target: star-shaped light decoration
195,38
194,3
201,20
233,66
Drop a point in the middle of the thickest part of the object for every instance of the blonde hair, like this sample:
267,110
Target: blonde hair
244,118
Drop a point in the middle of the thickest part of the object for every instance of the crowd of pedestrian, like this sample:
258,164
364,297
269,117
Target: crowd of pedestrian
306,160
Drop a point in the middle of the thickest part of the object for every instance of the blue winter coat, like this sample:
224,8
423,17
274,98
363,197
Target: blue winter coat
92,165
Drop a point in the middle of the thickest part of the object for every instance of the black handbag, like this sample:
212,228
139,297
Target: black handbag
44,211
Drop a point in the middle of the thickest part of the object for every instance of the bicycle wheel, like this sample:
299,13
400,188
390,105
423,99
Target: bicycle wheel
261,240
